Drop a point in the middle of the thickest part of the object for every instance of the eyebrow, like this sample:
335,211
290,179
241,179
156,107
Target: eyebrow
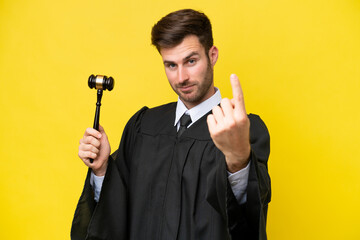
185,58
191,55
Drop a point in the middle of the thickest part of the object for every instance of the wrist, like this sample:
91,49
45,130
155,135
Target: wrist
101,170
235,166
236,163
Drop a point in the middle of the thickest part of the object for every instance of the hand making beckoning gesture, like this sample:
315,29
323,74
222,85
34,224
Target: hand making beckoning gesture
229,127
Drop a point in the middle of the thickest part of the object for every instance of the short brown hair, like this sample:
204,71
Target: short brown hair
174,27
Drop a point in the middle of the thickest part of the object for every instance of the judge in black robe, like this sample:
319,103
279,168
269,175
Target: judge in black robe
160,186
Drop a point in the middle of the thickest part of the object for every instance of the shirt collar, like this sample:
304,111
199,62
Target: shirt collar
199,110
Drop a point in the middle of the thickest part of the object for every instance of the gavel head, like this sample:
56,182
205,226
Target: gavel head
101,82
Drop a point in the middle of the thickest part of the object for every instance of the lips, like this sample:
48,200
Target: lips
186,88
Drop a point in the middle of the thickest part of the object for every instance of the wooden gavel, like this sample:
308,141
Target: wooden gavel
99,82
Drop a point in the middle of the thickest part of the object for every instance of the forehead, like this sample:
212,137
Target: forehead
189,45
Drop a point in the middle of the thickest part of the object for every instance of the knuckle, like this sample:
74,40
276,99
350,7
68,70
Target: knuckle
86,139
225,101
95,142
90,140
95,150
82,146
231,124
91,148
91,155
87,147
237,98
86,133
243,119
211,131
216,108
82,155
215,133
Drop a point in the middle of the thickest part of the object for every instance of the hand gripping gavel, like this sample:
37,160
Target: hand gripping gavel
99,82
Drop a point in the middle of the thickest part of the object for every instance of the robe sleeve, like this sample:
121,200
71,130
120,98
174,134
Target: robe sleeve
250,218
245,221
107,219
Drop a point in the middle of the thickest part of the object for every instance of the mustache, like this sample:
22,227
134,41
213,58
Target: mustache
185,84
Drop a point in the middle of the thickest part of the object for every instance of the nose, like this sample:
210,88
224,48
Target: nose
182,74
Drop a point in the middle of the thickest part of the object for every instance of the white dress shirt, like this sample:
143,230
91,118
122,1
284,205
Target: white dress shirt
237,180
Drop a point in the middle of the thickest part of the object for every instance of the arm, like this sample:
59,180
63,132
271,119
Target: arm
96,220
250,218
242,138
238,182
97,181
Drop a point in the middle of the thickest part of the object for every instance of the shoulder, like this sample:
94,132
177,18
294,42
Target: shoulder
156,113
161,110
256,123
259,134
152,120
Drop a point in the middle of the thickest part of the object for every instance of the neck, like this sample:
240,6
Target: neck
190,105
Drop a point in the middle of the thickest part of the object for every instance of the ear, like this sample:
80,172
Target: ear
213,55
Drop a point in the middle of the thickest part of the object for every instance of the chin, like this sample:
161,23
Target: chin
193,100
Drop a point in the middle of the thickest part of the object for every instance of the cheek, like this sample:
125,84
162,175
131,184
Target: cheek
199,71
202,66
170,76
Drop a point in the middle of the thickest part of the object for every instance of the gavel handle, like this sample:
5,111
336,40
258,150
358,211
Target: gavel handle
97,113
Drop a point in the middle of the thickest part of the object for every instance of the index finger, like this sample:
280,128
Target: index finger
237,92
92,132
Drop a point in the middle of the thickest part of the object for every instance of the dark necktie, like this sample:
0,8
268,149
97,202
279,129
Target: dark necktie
185,120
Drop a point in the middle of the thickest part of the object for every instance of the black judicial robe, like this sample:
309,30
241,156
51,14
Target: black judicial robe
159,186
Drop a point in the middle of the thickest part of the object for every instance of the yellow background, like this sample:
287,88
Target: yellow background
298,62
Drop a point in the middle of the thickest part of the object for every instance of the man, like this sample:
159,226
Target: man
181,172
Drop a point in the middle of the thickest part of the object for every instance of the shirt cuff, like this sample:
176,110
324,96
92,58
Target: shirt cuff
96,182
238,182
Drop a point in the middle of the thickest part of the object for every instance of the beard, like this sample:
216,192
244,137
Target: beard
200,88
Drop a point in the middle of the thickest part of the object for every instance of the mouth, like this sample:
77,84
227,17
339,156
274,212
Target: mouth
187,88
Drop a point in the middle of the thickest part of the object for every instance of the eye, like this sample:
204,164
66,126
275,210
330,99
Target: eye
170,65
192,61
